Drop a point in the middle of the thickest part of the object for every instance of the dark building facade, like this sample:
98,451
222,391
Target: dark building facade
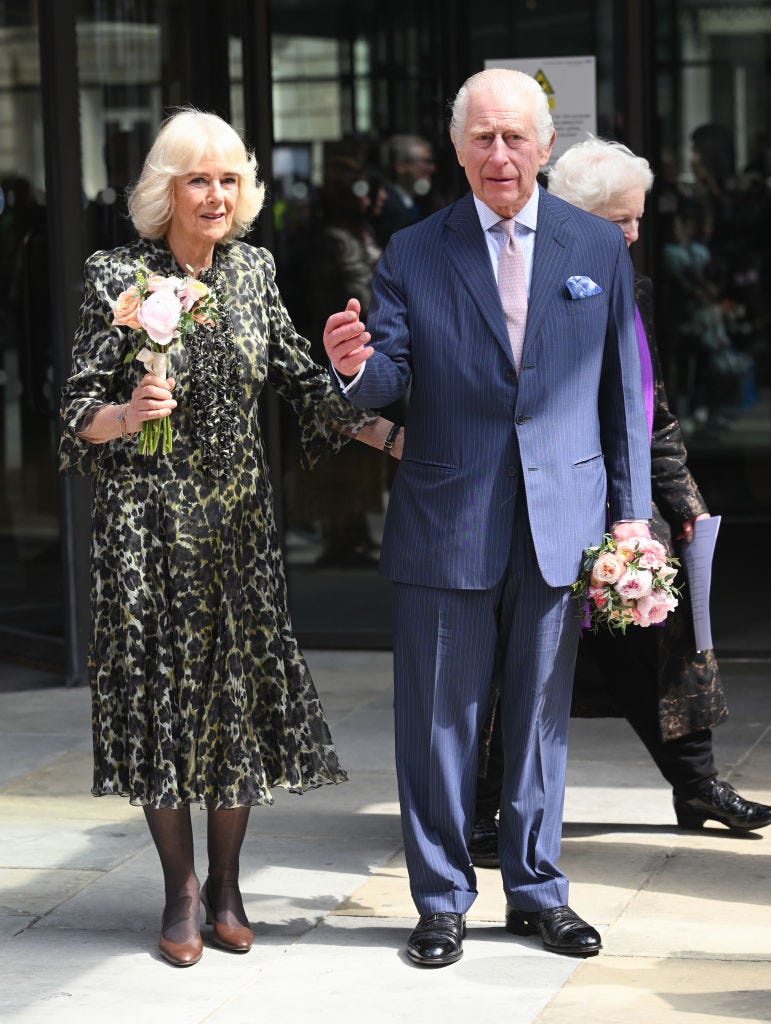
345,104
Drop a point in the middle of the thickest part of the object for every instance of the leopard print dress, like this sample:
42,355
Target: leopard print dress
199,690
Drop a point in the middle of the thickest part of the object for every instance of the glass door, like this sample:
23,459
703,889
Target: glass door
30,560
712,210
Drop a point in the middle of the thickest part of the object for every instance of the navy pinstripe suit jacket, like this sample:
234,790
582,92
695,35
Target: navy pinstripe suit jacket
571,428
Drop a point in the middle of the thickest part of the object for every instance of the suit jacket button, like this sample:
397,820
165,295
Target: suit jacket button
510,372
521,418
512,471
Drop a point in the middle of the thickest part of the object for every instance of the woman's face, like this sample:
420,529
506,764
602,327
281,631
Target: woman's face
204,201
625,209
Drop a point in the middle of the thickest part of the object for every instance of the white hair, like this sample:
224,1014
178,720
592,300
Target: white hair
508,84
182,142
591,174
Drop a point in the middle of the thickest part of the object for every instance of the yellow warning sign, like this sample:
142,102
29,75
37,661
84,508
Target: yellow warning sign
545,84
570,87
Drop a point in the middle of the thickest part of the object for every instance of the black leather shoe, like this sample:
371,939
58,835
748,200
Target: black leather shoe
437,940
719,801
561,929
483,844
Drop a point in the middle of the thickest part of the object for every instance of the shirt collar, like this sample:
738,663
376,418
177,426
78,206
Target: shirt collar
527,216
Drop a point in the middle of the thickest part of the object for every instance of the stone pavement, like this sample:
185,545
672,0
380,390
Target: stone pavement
684,916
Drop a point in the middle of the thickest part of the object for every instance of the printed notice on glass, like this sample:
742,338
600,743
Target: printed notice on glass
570,84
697,562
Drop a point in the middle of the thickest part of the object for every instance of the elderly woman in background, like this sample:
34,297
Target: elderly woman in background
669,692
199,690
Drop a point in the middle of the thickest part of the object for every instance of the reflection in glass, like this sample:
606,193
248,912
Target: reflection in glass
30,585
714,207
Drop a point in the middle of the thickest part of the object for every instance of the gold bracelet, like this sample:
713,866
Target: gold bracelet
122,420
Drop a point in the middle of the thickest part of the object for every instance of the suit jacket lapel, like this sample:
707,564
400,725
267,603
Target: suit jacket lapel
467,250
553,240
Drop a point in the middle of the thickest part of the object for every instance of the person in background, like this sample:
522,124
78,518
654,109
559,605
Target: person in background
411,171
342,251
669,692
511,316
199,691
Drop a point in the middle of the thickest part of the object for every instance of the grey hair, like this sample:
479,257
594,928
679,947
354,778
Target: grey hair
511,85
402,148
591,173
182,142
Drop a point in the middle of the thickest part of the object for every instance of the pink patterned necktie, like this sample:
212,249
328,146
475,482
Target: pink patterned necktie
512,284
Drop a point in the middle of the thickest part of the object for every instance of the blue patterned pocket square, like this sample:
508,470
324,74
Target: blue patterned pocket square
582,287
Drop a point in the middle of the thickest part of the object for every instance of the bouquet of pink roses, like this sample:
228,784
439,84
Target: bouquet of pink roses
162,309
626,582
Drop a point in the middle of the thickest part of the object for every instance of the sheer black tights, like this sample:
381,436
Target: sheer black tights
172,834
225,834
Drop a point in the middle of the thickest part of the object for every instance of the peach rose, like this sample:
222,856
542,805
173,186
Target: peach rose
159,283
634,584
598,595
606,569
626,550
125,308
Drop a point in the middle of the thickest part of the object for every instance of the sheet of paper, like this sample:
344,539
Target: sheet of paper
696,558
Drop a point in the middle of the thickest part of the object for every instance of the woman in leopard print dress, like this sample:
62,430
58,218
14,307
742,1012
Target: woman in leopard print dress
199,690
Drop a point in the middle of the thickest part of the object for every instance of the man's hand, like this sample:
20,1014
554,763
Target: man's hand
345,339
634,528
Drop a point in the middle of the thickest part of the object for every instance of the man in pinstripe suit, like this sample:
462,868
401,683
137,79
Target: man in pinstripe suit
514,455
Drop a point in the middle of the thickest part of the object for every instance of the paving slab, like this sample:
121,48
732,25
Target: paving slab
493,973
683,915
636,990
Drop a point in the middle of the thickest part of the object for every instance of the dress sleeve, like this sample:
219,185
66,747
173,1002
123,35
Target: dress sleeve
327,420
96,378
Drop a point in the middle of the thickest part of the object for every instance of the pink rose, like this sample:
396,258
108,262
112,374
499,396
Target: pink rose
655,607
598,595
606,569
159,315
124,310
634,584
654,554
159,283
192,292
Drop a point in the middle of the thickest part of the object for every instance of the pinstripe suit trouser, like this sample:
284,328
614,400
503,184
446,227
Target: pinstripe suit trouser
447,644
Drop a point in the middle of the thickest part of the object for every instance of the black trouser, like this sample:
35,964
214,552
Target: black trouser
627,669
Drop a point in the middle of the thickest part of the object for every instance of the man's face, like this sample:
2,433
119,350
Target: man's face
499,151
418,166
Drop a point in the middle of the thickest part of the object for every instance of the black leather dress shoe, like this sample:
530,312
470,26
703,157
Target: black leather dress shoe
437,940
561,929
719,801
483,844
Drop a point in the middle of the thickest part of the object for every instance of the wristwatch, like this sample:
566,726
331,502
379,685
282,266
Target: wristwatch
389,441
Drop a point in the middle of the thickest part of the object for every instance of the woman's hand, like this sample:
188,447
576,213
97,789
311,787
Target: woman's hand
686,531
150,400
